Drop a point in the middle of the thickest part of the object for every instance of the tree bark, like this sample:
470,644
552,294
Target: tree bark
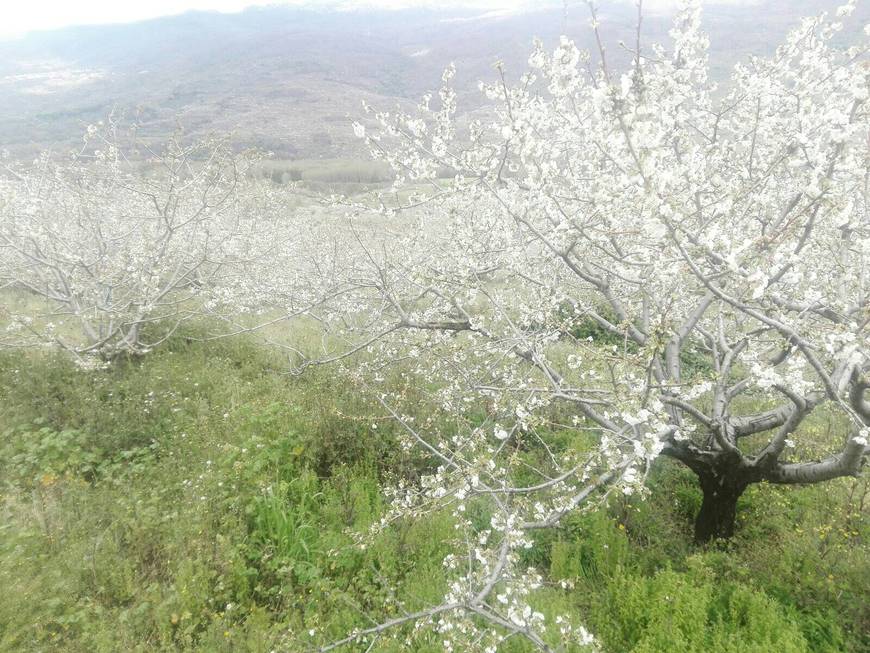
718,514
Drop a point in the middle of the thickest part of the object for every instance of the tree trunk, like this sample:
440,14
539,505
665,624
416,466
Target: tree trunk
718,512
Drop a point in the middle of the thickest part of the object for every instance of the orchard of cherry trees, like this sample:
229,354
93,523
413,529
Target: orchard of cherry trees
669,266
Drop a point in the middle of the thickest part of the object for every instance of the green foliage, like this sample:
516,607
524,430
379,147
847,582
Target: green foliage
200,500
36,453
691,612
693,360
584,327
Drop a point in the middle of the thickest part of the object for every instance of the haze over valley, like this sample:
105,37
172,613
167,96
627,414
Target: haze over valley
290,79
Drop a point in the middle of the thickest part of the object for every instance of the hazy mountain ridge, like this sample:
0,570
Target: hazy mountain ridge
289,78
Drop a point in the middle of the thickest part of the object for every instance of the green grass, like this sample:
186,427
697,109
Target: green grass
200,499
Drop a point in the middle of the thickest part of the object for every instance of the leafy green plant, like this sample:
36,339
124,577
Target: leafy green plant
224,519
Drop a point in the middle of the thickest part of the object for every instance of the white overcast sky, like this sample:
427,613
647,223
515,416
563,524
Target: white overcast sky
21,16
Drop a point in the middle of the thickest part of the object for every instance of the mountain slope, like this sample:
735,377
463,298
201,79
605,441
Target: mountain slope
289,79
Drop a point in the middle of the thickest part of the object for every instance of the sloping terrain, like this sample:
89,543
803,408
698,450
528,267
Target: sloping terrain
289,79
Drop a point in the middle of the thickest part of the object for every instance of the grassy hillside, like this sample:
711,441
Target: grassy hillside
200,499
